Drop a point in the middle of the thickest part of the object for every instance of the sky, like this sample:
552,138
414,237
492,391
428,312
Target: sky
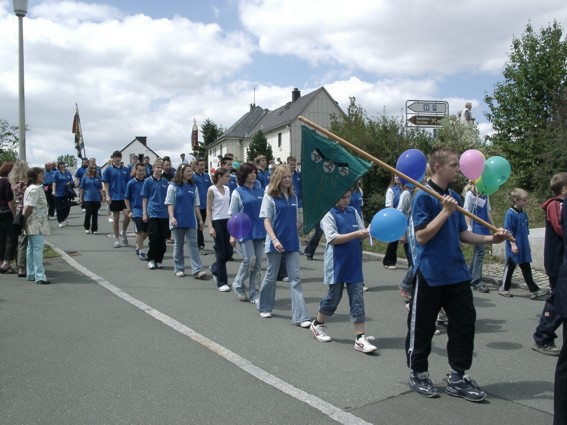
149,67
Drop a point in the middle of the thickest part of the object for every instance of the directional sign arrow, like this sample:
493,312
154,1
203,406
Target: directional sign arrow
425,120
427,106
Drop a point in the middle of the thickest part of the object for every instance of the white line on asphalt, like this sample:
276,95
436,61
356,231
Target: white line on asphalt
328,409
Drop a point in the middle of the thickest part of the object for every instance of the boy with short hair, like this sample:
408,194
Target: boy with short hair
518,252
344,231
114,180
549,322
443,281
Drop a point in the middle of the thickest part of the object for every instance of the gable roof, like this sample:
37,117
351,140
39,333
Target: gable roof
241,128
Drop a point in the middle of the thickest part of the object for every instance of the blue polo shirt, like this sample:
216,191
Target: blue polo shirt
232,183
343,262
155,190
296,180
516,221
282,213
184,199
249,201
117,179
203,182
61,180
264,178
356,201
48,177
80,172
441,260
92,188
134,195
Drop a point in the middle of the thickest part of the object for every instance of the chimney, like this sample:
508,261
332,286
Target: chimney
142,139
295,94
252,106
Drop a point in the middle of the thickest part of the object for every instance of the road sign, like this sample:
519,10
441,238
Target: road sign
429,107
426,120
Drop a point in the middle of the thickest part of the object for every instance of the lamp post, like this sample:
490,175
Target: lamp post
20,9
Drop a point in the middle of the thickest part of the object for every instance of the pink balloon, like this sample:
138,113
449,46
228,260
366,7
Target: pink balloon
472,164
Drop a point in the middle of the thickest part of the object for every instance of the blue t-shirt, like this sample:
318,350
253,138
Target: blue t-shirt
80,172
441,260
296,180
356,201
61,180
48,177
117,179
203,182
343,262
155,190
249,202
134,195
282,213
92,188
184,199
516,221
232,183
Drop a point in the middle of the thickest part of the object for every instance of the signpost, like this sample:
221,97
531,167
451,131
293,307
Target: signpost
426,113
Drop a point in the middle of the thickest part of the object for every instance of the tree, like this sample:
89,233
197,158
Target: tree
456,135
259,146
9,141
211,132
521,107
69,160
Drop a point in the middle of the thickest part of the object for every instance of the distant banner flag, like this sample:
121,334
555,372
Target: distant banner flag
195,135
78,132
328,171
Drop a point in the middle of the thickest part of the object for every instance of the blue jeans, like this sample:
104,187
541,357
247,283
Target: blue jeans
329,304
180,236
252,253
268,289
34,258
475,268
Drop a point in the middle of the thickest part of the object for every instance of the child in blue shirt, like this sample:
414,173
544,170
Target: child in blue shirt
90,197
343,230
518,253
133,201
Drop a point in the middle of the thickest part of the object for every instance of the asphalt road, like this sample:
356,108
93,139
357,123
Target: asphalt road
111,342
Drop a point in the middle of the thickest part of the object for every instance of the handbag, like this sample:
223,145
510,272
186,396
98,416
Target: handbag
19,221
70,192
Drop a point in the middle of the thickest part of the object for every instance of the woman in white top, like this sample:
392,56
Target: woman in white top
218,202
35,215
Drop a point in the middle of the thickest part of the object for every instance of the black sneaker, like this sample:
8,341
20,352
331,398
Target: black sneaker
465,388
422,385
547,349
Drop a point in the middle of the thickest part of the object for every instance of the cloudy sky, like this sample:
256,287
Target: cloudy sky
148,67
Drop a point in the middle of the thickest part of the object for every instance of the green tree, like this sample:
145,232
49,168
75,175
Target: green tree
521,107
456,135
211,132
259,146
9,140
69,160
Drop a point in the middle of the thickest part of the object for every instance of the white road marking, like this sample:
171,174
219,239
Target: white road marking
327,409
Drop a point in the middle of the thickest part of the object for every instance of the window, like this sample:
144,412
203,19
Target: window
279,140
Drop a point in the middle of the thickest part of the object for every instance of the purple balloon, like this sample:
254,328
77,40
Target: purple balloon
412,163
239,226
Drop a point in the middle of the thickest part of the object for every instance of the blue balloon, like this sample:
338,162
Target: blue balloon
388,225
412,163
239,226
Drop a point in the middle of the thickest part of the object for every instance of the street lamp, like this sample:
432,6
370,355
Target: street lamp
20,9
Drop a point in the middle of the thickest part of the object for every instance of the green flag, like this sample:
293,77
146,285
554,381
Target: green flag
327,171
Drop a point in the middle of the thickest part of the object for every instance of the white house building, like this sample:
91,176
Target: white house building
135,148
280,126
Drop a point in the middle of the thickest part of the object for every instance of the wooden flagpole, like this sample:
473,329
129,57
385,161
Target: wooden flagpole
392,170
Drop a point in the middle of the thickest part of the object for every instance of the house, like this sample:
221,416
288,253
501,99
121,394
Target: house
280,126
136,147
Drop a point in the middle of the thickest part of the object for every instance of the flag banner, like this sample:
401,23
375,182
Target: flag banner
78,131
328,171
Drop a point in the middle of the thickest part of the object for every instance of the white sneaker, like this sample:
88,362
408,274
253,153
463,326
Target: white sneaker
201,274
305,324
265,314
124,238
151,265
362,345
285,279
62,224
110,220
224,288
214,277
159,266
87,231
180,274
95,233
319,332
116,244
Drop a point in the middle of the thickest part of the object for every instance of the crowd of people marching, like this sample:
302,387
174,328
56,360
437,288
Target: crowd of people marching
174,204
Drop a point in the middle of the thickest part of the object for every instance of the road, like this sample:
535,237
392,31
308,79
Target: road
111,342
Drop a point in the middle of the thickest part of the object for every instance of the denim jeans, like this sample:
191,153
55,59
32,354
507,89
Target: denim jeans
252,253
34,260
180,236
329,304
268,289
475,268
